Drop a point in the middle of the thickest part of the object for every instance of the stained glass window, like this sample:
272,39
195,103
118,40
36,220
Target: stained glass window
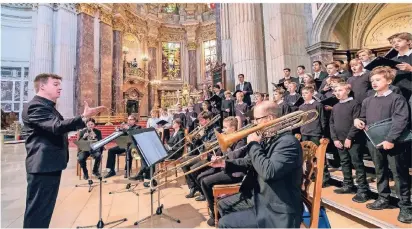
210,56
171,60
171,8
14,88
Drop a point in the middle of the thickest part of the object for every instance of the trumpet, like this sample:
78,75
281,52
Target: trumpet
266,130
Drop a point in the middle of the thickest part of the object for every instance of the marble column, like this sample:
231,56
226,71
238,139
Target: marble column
322,51
64,53
192,64
42,44
152,70
85,82
285,36
117,79
106,66
226,46
247,39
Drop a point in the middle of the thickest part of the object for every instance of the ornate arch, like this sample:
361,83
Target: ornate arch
133,93
326,20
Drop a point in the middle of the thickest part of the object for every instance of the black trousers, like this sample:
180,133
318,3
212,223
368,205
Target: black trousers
316,140
395,160
233,203
111,157
189,179
207,183
42,190
349,157
194,176
82,157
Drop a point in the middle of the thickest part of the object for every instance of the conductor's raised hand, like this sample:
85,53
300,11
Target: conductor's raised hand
92,111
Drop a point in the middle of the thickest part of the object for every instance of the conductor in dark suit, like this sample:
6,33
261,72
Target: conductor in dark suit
47,148
246,88
90,134
275,168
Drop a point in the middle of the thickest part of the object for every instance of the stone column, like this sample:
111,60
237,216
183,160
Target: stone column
106,57
285,36
117,79
64,52
191,51
247,36
85,82
322,51
42,44
152,69
226,45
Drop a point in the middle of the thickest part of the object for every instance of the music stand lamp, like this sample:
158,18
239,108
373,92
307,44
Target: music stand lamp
152,151
122,142
94,147
85,146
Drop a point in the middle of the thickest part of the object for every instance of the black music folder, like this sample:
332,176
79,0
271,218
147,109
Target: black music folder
377,132
298,102
381,61
391,53
331,101
162,122
215,98
234,94
277,85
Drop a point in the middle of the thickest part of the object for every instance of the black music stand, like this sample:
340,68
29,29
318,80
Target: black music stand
123,142
84,145
94,147
152,151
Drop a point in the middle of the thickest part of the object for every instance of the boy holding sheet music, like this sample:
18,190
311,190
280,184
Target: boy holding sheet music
347,139
293,97
388,154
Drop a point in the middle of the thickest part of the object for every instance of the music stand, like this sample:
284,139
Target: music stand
123,142
152,151
94,147
84,145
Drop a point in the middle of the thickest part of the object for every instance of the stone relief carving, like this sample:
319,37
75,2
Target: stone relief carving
171,34
377,36
207,32
106,17
86,8
361,18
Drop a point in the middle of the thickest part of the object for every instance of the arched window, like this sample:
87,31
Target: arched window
210,56
171,60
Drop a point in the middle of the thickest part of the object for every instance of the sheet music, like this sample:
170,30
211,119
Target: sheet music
193,118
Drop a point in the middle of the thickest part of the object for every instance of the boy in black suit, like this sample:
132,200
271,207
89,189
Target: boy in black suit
175,142
88,134
47,148
347,139
384,105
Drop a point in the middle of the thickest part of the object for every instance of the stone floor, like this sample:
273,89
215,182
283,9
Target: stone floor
77,207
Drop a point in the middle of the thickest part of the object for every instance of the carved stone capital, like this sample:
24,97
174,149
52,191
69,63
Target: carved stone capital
152,42
105,16
86,8
118,22
191,31
192,46
207,32
322,46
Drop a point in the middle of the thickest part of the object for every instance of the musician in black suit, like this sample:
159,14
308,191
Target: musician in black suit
246,88
274,178
191,118
90,134
172,144
47,148
111,154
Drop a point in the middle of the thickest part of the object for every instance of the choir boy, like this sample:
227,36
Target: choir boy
241,108
332,70
228,105
292,97
348,139
278,97
365,56
388,154
191,118
359,81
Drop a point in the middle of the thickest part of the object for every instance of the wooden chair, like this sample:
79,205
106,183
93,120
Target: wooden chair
79,169
313,163
124,155
221,190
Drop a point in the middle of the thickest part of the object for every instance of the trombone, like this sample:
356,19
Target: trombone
197,133
266,130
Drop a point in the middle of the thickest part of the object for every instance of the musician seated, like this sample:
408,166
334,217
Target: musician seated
208,132
175,144
90,134
111,156
216,175
273,178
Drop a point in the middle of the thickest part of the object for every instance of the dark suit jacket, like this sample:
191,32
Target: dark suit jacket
249,91
173,140
278,168
293,79
191,124
47,141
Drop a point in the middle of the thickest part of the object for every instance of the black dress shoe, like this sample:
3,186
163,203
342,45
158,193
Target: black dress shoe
110,174
345,190
86,176
211,221
379,204
361,197
191,193
405,215
96,174
200,198
137,177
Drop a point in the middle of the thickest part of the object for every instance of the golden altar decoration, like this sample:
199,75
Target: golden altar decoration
187,94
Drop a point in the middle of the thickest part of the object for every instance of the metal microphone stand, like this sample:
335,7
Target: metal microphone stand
98,145
129,186
159,210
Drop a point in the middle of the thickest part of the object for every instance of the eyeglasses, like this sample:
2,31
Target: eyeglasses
256,120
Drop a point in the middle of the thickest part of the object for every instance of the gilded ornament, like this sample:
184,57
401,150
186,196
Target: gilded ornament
86,8
152,42
118,23
106,17
191,46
